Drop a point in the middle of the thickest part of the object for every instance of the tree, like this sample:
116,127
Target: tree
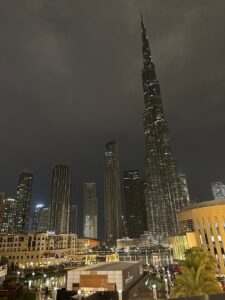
4,261
198,276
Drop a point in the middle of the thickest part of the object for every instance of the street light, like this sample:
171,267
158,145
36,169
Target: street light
154,291
33,274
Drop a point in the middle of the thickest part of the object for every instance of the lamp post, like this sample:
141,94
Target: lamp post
154,291
170,279
166,287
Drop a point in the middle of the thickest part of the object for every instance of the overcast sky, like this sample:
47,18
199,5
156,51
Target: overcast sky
70,81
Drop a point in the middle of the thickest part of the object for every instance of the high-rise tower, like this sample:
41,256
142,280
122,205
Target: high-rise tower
60,199
90,219
73,218
40,218
43,220
133,203
112,194
163,187
7,215
23,202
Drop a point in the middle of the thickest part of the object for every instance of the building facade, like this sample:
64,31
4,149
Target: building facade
112,194
31,250
60,201
134,205
73,218
90,215
163,193
23,202
207,221
218,190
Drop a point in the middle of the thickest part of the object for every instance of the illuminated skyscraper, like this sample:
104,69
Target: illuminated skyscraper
163,193
218,189
2,197
23,202
43,219
134,205
90,219
40,218
36,216
184,186
112,194
60,199
7,217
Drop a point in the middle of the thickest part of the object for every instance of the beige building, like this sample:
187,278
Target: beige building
30,250
202,224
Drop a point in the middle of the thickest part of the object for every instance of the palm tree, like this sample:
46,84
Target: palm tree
198,275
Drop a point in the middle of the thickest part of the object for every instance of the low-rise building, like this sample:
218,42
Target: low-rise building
126,243
108,276
3,273
202,224
30,250
85,244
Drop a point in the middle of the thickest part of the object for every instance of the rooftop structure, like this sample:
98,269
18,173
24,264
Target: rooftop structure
107,276
205,204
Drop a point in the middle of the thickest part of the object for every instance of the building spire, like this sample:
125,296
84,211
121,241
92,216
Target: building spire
142,22
147,56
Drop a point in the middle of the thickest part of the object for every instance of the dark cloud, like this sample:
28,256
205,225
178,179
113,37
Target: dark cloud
70,80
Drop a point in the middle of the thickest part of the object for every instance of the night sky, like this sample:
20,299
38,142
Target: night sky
70,81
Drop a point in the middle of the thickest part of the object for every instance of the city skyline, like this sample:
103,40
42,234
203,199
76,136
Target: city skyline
192,105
